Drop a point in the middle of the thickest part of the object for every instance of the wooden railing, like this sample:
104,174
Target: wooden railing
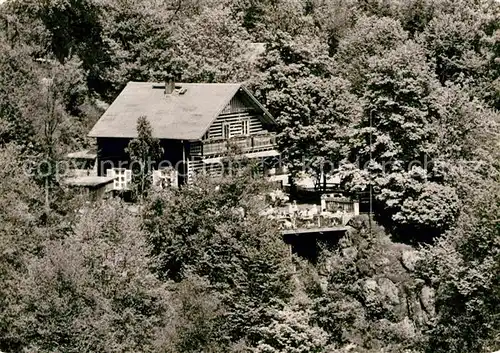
246,144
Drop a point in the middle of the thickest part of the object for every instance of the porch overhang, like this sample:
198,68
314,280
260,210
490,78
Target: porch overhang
85,154
89,181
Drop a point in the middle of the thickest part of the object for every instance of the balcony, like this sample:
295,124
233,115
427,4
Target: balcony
245,144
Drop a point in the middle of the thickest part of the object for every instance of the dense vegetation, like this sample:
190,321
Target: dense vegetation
197,269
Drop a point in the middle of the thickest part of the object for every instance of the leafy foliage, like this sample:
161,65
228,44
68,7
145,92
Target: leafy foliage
421,77
462,268
372,298
68,295
213,47
369,37
394,141
144,152
312,109
212,229
291,331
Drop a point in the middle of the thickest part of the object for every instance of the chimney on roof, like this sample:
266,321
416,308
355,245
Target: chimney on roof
169,85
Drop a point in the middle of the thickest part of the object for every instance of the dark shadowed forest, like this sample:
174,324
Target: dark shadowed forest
403,96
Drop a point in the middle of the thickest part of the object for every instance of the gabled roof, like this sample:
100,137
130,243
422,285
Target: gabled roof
179,116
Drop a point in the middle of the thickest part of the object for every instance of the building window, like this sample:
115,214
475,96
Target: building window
122,178
226,130
165,178
244,127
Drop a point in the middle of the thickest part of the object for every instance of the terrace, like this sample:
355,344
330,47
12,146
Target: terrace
332,214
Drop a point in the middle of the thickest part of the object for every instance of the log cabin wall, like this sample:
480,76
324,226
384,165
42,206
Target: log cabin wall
237,111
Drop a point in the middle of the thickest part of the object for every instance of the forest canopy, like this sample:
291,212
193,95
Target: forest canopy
401,97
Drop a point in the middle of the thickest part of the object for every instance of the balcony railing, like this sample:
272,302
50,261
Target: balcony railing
245,144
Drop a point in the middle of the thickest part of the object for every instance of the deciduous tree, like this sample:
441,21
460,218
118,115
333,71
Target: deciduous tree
91,290
145,152
212,229
393,142
463,267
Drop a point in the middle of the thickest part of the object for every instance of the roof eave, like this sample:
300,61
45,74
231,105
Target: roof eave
268,115
219,111
178,138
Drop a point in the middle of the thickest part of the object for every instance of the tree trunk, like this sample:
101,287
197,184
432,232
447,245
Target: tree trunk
47,200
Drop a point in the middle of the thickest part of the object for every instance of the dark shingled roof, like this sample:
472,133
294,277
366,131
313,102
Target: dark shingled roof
176,116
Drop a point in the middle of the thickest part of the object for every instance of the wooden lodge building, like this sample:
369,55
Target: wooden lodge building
194,123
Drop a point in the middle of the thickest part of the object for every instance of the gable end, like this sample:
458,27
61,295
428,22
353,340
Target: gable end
243,106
